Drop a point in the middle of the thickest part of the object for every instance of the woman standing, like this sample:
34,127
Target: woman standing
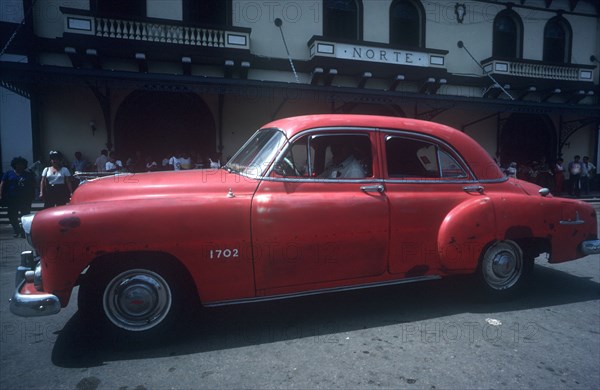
56,188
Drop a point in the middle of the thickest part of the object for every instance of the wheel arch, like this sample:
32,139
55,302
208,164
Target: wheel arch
465,234
140,258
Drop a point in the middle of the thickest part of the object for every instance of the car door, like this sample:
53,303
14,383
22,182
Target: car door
425,179
314,226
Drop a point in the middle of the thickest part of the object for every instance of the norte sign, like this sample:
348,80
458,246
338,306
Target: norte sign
384,55
375,54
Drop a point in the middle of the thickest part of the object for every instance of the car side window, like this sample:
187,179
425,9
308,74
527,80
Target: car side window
341,156
327,156
295,163
449,166
412,158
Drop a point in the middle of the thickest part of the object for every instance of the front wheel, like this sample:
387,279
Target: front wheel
136,300
502,269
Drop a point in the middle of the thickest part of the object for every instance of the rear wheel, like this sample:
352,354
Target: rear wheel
503,269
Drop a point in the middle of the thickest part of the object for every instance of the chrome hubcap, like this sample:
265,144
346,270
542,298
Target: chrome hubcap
137,300
502,266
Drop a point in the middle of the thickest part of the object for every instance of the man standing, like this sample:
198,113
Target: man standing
79,164
101,161
575,170
587,170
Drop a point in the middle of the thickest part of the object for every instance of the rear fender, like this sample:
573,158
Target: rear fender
465,233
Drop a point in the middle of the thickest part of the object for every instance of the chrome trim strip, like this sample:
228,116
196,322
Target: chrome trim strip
430,181
577,222
499,180
33,305
321,180
321,291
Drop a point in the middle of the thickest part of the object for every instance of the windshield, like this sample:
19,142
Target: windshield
258,153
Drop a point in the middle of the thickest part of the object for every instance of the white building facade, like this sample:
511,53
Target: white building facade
162,76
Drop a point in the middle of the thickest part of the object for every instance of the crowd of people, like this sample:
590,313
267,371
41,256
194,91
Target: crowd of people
110,162
54,184
575,178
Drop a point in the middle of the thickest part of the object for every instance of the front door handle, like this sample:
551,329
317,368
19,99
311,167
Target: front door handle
378,188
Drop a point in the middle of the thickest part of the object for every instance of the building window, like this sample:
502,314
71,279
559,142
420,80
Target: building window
119,9
207,12
407,23
342,19
508,35
557,41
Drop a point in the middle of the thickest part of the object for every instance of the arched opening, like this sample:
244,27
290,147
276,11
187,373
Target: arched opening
508,35
207,12
161,124
407,24
119,8
342,19
529,140
557,41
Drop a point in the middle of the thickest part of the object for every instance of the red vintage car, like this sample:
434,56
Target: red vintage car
308,205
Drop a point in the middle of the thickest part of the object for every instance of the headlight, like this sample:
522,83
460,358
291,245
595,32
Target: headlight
26,221
37,277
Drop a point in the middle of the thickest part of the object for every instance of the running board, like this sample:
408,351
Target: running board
321,291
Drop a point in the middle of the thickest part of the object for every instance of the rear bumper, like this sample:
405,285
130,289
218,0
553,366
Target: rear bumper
27,301
590,247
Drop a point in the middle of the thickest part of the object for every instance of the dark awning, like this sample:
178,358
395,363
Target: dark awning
25,78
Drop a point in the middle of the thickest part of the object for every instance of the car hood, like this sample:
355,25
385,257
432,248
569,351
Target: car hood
172,184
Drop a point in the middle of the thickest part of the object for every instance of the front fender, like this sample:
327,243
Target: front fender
195,230
464,233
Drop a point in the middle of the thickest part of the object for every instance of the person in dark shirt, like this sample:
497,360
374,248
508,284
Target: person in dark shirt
17,191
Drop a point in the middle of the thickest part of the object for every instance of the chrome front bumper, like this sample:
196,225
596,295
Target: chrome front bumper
590,247
32,304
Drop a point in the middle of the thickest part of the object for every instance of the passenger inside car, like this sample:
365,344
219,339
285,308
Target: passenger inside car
343,164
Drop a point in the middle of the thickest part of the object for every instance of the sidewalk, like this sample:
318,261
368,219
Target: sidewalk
593,196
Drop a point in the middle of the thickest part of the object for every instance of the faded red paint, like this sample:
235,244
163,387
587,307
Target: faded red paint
242,237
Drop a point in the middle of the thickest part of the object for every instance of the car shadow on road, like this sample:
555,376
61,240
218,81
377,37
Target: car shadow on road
323,318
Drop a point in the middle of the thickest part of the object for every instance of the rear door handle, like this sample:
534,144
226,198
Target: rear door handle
378,188
478,189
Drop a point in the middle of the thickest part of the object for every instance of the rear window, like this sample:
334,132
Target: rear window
409,158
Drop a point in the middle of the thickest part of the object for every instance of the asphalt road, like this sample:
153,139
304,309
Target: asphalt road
434,335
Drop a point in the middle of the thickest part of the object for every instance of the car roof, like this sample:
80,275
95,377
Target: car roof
480,162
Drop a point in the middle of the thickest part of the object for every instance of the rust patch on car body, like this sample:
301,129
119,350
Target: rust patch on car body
69,223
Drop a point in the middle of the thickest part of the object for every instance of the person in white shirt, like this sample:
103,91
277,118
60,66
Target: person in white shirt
113,165
587,171
185,161
101,161
343,164
56,187
174,162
